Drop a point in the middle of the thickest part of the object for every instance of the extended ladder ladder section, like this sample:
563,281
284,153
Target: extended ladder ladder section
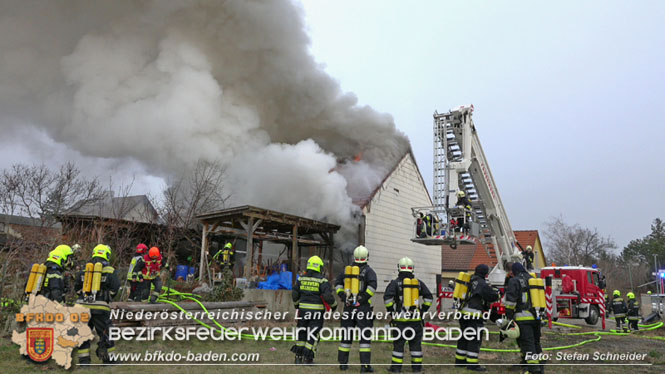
467,206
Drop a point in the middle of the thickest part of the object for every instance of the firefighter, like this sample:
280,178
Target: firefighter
100,311
225,257
619,309
519,308
151,269
465,204
55,285
309,293
134,274
407,316
528,257
357,311
633,307
479,297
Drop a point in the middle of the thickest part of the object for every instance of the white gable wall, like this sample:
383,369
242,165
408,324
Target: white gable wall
389,227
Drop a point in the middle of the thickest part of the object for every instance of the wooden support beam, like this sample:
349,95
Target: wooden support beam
204,245
249,226
331,248
295,259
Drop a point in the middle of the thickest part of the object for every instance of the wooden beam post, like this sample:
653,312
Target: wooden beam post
204,245
249,227
331,248
295,259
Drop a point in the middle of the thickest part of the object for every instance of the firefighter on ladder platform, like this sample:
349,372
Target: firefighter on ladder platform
96,286
402,300
619,309
520,308
479,296
309,294
465,205
355,286
633,307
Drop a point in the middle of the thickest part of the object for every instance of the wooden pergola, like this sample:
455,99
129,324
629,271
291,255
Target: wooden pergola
258,224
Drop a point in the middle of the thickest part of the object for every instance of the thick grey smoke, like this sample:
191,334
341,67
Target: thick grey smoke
170,82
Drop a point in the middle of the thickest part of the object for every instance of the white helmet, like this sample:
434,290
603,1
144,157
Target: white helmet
511,330
461,193
406,264
360,254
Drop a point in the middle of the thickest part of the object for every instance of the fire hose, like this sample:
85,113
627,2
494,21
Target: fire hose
166,298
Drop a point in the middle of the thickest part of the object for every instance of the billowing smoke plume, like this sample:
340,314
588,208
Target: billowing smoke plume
167,83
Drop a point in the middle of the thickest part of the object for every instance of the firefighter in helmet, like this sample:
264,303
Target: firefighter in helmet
479,296
55,285
309,293
151,268
225,257
528,257
619,309
357,310
520,310
134,274
633,307
464,203
407,311
98,303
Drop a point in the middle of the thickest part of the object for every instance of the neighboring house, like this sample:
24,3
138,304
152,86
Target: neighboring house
387,224
531,237
466,257
27,229
118,221
130,208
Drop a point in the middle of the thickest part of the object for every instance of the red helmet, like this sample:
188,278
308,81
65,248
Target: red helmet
154,252
141,248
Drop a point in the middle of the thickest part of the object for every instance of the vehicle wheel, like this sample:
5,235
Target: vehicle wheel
592,319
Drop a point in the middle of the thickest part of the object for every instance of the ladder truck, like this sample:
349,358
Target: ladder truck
467,206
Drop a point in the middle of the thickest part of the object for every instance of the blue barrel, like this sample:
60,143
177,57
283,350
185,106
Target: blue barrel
181,272
192,270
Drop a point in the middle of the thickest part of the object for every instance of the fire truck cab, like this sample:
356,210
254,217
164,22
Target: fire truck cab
574,292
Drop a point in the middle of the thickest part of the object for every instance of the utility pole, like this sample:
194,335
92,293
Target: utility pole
655,268
630,273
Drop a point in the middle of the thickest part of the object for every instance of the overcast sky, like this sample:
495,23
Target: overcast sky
569,98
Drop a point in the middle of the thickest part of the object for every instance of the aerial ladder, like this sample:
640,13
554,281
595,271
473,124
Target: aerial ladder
467,206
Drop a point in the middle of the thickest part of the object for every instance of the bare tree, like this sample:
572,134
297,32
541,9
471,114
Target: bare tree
195,191
39,192
574,244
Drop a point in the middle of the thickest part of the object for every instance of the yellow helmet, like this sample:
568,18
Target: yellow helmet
406,264
461,194
360,254
55,257
630,295
103,251
616,293
228,245
315,263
